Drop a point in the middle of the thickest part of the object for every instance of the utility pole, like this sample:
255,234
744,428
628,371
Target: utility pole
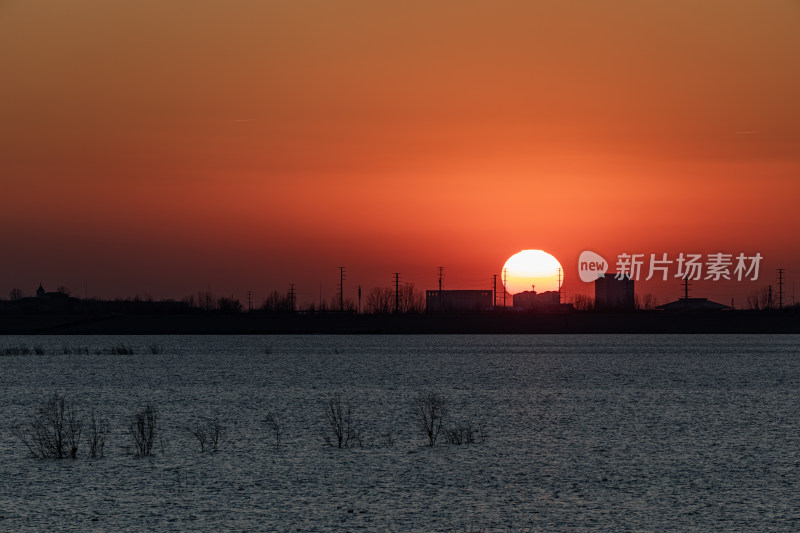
494,290
291,297
559,285
505,280
686,292
397,292
441,296
341,289
780,288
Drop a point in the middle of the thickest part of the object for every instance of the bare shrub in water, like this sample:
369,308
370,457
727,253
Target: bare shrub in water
342,425
96,437
54,430
211,431
274,421
428,412
463,434
143,428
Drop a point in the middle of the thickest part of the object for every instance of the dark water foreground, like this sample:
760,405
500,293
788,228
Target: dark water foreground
591,432
486,323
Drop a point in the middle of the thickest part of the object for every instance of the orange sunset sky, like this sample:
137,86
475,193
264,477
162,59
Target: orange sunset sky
168,146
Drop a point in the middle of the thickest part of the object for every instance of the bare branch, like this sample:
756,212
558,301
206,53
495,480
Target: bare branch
429,412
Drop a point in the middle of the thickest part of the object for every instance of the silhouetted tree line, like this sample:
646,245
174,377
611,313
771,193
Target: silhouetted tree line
378,300
276,302
68,305
381,300
208,302
331,306
384,300
766,299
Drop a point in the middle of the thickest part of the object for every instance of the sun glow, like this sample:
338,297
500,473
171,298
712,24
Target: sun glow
531,270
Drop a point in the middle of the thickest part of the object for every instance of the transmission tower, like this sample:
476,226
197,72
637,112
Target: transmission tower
494,290
780,288
291,298
249,301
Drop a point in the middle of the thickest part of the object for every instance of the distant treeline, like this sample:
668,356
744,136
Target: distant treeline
377,300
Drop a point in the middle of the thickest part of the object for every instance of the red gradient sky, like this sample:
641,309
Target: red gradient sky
165,147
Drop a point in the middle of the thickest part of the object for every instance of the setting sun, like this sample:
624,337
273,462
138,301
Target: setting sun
531,270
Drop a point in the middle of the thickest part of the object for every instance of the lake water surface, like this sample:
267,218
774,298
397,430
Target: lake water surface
591,432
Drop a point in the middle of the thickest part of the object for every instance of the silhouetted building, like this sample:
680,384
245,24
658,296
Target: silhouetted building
693,305
43,302
533,301
446,301
58,295
612,293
